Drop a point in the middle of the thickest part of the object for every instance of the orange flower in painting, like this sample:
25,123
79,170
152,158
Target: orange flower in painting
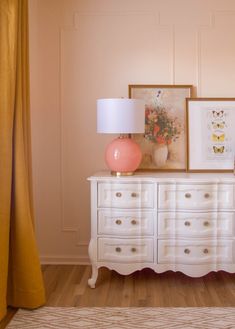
156,129
160,140
160,128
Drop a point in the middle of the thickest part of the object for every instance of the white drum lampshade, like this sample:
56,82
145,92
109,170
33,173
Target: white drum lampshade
121,116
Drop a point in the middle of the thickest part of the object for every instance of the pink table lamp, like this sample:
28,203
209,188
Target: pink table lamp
125,117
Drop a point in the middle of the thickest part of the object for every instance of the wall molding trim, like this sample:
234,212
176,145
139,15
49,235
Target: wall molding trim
81,51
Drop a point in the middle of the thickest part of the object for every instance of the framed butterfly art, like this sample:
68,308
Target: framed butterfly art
210,134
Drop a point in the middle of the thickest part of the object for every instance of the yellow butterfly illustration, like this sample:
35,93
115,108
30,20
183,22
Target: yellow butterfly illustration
218,149
218,138
218,125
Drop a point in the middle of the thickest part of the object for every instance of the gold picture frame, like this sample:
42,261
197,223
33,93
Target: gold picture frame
164,142
210,134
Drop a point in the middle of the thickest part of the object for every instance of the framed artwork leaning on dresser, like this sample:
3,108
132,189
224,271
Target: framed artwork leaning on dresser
211,137
163,143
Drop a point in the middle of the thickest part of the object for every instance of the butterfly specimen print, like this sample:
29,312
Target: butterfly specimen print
218,114
211,130
218,149
218,138
218,125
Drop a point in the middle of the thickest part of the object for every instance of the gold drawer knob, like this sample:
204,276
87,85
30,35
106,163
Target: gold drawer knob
118,222
207,195
188,195
133,249
133,222
134,195
118,249
206,223
187,223
187,251
205,251
118,194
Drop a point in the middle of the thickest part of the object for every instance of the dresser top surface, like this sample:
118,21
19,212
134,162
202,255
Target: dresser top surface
165,177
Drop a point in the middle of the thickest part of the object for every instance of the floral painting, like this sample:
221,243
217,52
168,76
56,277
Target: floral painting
163,144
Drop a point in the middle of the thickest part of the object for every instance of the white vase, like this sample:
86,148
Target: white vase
160,153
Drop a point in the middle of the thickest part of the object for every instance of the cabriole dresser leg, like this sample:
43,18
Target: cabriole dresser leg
94,276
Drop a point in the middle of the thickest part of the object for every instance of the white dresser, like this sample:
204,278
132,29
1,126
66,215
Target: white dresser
163,221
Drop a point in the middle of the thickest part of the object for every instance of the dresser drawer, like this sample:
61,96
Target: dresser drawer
125,250
195,252
196,196
125,195
196,224
125,223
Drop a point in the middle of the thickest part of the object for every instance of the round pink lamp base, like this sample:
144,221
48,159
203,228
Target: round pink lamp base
123,156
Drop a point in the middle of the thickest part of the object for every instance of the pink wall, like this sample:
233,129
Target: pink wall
82,50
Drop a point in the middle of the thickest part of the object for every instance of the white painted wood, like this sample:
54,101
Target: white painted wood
125,222
165,177
125,250
195,251
196,224
185,196
193,270
180,222
125,195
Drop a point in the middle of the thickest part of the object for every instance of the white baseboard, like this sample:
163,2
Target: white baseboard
64,260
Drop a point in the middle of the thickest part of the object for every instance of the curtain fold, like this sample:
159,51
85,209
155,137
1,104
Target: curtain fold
21,283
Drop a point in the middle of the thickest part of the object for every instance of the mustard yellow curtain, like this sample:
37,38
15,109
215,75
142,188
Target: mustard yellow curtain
21,283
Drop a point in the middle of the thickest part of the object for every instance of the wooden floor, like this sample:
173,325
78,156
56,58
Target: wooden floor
66,285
